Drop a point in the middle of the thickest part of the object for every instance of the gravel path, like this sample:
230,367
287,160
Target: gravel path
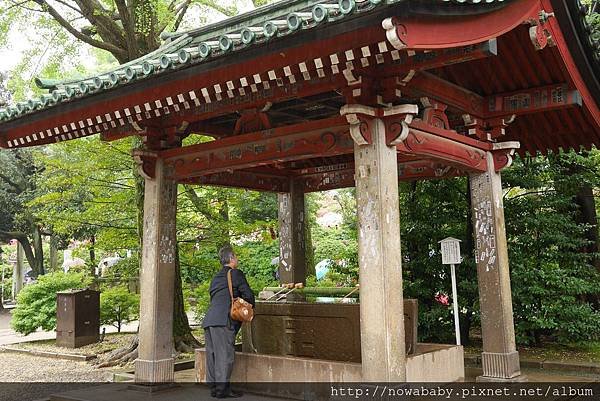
26,368
25,377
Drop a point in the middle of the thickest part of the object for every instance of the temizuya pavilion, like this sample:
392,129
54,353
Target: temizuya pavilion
310,95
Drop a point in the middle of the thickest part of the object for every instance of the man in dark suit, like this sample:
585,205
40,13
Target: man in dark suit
219,329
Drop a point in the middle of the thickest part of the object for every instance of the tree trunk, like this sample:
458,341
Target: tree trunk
587,215
183,339
93,256
53,255
467,319
309,250
18,272
225,235
38,261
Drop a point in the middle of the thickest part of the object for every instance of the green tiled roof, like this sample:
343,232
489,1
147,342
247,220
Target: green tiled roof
180,50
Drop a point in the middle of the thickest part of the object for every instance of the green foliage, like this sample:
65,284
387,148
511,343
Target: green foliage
202,296
126,268
340,245
429,212
255,260
87,189
552,279
17,187
36,303
118,306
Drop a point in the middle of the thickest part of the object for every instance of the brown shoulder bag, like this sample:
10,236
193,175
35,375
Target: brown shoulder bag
240,309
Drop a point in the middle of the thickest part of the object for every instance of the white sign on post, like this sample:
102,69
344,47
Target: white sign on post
451,251
451,256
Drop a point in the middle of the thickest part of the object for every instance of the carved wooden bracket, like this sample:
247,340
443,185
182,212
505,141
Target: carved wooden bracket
395,32
538,32
252,121
435,113
362,121
503,153
489,129
146,163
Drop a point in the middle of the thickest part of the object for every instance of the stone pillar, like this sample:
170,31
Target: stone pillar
500,359
380,265
292,243
157,280
18,271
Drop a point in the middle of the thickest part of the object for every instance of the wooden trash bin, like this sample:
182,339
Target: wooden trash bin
77,318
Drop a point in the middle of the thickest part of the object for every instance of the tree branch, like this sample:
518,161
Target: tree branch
84,38
105,24
229,12
64,3
20,5
129,28
19,187
181,11
197,202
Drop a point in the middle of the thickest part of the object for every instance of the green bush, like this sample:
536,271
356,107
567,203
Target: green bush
36,303
118,306
255,260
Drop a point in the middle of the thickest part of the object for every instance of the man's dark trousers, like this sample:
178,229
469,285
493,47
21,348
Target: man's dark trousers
220,355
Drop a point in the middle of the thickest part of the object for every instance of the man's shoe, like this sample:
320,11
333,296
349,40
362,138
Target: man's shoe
231,394
234,394
213,393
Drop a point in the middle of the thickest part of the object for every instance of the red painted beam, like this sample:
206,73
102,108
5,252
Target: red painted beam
425,84
243,180
407,171
439,58
328,177
324,138
439,148
532,100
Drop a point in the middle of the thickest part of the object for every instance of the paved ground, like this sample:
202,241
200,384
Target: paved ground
9,336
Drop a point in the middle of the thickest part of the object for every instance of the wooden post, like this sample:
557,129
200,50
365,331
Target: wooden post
157,280
380,263
292,238
500,358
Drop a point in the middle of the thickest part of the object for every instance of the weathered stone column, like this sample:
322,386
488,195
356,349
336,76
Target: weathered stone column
380,263
292,244
18,271
157,280
500,358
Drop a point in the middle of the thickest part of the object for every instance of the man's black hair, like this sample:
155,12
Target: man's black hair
226,254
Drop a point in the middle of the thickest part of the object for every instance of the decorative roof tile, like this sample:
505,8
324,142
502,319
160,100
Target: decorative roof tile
180,50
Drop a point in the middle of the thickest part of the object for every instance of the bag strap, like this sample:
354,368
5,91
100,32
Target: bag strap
230,285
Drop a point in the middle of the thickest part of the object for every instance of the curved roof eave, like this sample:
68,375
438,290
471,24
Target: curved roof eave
196,46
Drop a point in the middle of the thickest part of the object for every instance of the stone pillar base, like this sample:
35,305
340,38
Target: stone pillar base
152,388
487,379
161,371
500,365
